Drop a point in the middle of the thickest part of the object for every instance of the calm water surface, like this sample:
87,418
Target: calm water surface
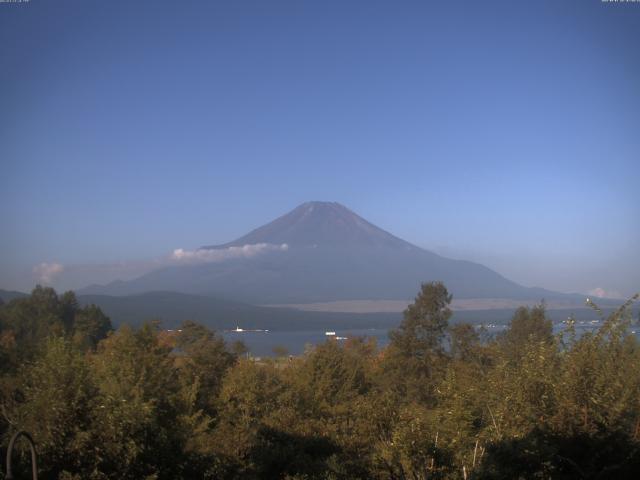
261,344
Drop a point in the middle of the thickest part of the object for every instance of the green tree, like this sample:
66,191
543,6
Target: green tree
464,341
414,449
90,325
600,380
26,322
528,325
58,408
415,358
280,351
205,362
140,425
239,348
425,322
32,319
249,396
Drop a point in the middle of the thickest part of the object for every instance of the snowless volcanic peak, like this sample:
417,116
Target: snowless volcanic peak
332,255
320,224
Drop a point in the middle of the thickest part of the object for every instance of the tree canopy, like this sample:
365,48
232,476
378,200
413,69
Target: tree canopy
440,401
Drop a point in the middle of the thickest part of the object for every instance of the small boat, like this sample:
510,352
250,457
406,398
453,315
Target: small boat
246,330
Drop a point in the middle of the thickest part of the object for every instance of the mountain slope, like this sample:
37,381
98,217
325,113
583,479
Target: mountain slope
331,254
320,224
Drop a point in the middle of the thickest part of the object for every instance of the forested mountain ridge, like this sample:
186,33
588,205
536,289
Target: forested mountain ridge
173,308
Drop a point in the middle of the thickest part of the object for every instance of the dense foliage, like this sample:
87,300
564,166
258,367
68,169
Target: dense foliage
439,402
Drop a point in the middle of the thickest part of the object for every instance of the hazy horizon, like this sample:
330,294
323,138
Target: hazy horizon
493,132
76,276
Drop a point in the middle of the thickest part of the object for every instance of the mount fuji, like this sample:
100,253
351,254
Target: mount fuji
320,252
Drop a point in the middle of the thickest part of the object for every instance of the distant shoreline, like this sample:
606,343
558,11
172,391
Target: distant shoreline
398,306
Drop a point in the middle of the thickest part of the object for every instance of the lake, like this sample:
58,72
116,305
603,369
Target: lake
261,344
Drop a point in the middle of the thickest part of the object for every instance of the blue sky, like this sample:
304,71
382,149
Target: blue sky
502,132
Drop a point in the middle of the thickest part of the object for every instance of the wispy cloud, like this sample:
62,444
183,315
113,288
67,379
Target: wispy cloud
602,293
222,254
45,272
81,275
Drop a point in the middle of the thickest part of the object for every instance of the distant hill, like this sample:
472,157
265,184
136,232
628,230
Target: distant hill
331,254
7,295
173,308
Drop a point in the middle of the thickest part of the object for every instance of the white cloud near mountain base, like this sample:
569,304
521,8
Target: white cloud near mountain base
81,275
602,293
45,272
221,254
